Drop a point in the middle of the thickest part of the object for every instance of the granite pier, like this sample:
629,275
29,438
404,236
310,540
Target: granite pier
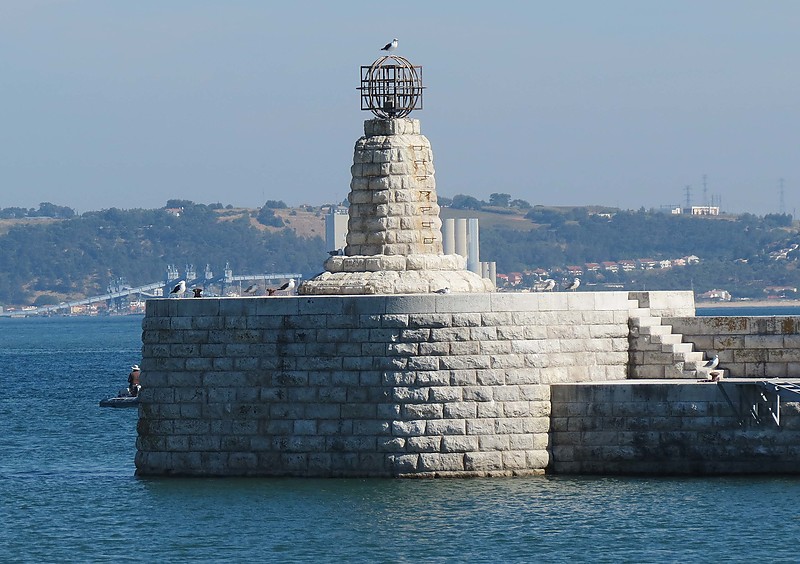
459,385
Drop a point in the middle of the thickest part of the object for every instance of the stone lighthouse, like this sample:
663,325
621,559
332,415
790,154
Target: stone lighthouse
394,240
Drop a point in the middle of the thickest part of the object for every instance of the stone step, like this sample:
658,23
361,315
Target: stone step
675,373
678,348
648,372
639,312
646,321
666,338
657,330
696,363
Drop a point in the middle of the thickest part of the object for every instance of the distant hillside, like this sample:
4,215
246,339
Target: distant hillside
72,258
59,258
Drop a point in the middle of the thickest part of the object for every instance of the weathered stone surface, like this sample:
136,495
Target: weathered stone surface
394,241
395,385
672,427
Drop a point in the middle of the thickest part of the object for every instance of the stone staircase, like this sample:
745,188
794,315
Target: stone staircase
657,352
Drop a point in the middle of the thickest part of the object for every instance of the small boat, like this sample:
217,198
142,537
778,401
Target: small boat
122,399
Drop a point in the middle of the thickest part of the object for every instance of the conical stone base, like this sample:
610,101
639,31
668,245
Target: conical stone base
394,239
415,274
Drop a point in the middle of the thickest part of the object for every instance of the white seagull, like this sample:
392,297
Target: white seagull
179,289
712,364
445,290
574,285
251,289
289,286
391,46
549,284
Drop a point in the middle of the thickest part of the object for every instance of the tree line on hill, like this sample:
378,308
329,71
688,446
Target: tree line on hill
734,251
78,255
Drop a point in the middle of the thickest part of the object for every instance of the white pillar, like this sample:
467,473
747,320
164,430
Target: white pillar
461,237
449,236
473,246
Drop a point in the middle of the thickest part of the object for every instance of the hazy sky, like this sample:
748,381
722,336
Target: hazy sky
127,104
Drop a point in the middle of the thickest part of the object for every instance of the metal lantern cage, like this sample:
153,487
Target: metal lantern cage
391,87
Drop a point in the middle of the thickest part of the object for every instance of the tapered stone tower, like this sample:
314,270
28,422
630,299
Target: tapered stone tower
394,240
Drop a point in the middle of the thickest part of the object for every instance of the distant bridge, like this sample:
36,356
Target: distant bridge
155,289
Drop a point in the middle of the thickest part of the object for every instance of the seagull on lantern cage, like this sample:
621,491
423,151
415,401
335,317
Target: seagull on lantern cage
391,46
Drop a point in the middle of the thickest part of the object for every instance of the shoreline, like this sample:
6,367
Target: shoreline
748,303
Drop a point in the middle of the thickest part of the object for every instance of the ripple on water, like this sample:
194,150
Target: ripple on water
68,490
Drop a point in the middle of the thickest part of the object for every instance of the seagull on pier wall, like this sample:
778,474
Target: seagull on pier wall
251,289
574,285
549,285
179,289
445,290
391,46
288,286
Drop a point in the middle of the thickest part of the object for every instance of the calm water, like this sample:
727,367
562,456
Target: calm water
749,310
68,492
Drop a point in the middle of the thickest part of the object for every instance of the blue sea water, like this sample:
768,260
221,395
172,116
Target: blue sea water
68,490
749,311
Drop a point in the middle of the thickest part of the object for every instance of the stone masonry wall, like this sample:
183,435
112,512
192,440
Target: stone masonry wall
670,427
393,204
419,385
748,347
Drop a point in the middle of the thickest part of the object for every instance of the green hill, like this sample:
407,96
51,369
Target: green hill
62,256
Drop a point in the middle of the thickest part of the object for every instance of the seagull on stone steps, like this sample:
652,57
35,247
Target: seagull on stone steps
711,364
574,285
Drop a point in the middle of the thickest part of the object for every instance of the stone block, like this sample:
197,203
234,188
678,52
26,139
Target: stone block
483,461
452,303
450,334
432,378
515,460
418,363
430,320
445,427
490,409
408,428
422,411
276,305
423,444
465,362
466,319
444,462
493,442
552,302
514,302
445,393
459,443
